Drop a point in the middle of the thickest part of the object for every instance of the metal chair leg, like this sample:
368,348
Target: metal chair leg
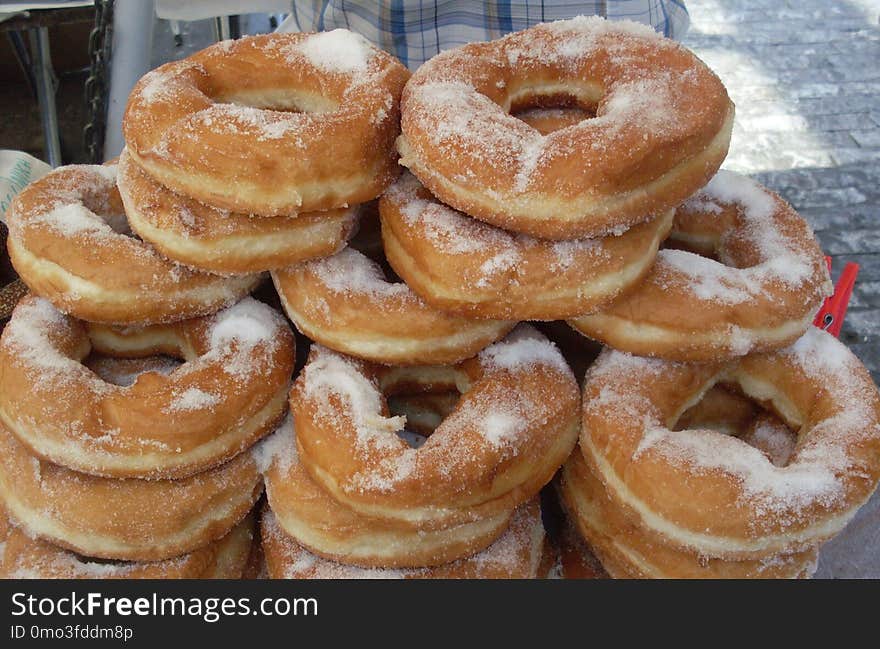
42,60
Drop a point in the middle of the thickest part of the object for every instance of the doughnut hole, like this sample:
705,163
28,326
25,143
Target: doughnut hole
424,395
549,109
724,409
725,238
125,356
283,100
125,371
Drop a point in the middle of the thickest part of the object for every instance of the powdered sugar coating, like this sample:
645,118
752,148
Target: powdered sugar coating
777,476
344,410
248,323
774,438
277,449
516,554
80,208
523,349
641,85
457,235
351,272
331,373
782,258
94,407
194,399
339,51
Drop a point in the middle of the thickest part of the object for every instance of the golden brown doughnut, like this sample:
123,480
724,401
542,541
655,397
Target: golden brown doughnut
272,124
508,434
230,391
517,554
70,242
128,519
333,531
345,303
762,294
29,558
626,551
662,127
464,266
219,241
711,493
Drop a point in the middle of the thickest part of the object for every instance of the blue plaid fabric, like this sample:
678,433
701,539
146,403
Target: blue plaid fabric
416,30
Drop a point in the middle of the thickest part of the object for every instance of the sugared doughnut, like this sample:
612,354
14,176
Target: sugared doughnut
230,391
333,531
517,554
627,552
346,303
216,240
135,520
762,293
26,558
464,266
661,129
70,243
510,431
272,124
713,493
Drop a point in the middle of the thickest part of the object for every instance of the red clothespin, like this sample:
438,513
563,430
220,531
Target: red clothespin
831,315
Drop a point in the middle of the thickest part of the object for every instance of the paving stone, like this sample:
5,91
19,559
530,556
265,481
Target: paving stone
867,138
841,122
845,100
805,75
845,241
854,216
844,156
866,294
861,326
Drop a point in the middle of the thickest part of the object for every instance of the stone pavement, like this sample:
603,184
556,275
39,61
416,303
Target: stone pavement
805,77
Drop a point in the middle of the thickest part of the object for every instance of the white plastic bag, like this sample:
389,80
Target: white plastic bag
17,170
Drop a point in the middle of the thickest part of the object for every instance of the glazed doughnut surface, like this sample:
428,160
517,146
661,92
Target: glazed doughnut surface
230,391
761,294
70,242
273,124
662,127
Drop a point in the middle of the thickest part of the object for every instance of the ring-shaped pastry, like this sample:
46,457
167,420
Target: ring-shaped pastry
230,392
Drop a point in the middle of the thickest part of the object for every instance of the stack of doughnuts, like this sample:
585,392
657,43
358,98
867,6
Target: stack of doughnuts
256,154
446,488
569,172
138,376
134,444
730,469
